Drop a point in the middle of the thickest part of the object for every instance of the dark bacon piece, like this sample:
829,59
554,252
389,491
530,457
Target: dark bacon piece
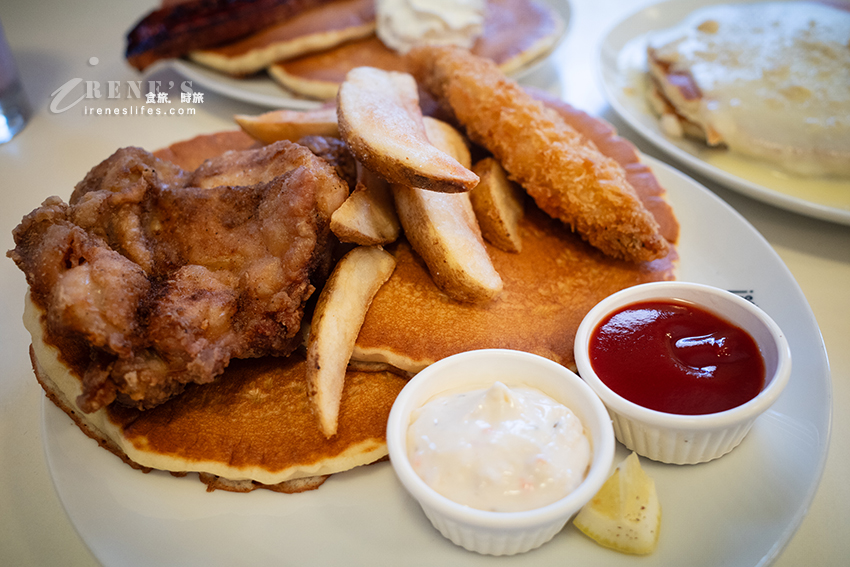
178,28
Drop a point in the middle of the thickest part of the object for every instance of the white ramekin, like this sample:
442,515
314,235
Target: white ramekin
688,439
500,533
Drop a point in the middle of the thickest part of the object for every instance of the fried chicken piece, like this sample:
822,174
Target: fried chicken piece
84,285
107,202
336,152
167,275
564,173
240,168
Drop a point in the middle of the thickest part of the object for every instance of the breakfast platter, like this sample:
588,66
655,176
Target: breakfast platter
741,509
623,70
262,90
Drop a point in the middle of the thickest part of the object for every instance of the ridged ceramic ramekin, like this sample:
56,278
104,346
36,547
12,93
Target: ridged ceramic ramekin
500,533
688,439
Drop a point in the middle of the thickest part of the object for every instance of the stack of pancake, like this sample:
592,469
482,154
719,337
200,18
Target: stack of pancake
766,80
310,53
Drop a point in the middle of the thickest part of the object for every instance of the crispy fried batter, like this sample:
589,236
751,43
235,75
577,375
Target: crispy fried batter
566,175
336,153
166,275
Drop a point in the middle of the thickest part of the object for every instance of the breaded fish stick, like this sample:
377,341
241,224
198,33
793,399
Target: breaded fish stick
566,176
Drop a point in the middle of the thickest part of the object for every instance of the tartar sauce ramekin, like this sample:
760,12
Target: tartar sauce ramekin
500,533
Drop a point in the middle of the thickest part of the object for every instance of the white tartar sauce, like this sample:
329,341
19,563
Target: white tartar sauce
499,449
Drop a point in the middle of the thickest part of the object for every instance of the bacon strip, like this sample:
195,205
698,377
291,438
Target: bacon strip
176,29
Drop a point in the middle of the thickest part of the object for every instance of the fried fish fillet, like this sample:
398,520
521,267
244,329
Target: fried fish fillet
568,177
160,276
639,175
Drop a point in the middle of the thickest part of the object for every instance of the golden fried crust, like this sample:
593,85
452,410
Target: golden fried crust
166,275
638,174
566,176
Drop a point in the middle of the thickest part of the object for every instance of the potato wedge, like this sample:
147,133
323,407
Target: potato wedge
445,137
337,319
443,230
498,205
368,216
289,125
380,120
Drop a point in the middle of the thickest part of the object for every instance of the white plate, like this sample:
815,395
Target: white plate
623,73
264,91
739,510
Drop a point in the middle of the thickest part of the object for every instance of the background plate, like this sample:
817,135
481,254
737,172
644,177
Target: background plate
739,510
622,61
264,91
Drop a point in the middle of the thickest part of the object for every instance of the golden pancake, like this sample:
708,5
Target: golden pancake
516,32
548,288
189,154
310,31
251,428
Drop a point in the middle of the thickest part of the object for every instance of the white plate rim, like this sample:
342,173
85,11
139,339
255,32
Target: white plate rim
671,12
261,90
117,510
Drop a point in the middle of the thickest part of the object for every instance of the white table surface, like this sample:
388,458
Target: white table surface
53,42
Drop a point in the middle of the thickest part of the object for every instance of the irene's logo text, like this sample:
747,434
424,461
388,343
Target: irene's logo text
155,93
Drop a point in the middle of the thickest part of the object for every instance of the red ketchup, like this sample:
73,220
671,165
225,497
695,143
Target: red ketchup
675,357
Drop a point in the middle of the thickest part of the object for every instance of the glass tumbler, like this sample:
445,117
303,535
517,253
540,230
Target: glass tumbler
14,106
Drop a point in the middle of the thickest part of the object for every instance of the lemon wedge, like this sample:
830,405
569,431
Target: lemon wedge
625,514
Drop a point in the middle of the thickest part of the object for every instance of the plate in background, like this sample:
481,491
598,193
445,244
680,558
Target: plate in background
622,64
262,90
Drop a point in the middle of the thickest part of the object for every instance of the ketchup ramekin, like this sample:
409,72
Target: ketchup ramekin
688,439
500,533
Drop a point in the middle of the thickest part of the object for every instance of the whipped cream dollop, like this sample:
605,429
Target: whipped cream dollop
405,23
501,449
